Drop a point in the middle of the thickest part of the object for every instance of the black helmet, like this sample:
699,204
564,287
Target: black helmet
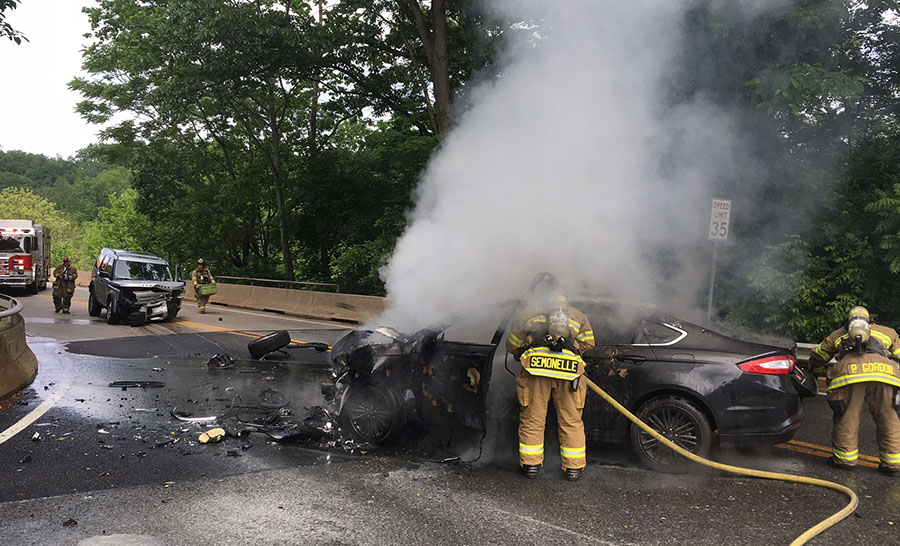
543,282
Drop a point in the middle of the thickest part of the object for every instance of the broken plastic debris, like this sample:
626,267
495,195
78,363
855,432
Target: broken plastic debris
212,435
142,384
36,437
220,362
205,419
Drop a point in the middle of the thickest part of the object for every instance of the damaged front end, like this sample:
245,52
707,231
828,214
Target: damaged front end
144,303
385,380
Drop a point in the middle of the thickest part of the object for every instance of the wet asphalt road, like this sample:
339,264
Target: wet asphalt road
114,466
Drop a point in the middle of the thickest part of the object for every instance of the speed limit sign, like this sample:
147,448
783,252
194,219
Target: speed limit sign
719,225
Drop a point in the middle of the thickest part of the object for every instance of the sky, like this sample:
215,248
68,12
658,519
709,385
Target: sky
37,109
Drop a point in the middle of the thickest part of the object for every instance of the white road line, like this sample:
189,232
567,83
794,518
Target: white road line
33,416
568,531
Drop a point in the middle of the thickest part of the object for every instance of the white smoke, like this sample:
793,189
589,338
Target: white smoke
570,162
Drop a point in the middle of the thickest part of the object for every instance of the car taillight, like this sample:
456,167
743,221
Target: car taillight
771,365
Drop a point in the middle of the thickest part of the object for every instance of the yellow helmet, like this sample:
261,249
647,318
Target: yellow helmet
858,312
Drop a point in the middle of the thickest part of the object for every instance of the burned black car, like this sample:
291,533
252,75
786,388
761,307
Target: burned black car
694,385
133,286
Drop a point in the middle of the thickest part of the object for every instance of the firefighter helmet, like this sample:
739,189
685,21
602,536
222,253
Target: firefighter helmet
543,282
858,312
200,261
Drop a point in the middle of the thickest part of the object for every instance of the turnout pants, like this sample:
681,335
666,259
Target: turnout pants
534,394
844,439
201,301
62,303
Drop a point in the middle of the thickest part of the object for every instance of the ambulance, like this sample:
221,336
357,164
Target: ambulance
24,255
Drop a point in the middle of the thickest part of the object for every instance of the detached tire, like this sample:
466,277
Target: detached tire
271,342
372,414
679,421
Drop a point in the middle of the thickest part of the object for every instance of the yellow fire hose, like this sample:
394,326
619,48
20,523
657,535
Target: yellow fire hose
802,539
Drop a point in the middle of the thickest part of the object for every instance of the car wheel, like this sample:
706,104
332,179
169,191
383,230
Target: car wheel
94,308
111,318
372,413
679,421
271,342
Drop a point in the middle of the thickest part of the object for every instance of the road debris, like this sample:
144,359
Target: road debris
212,435
220,362
125,385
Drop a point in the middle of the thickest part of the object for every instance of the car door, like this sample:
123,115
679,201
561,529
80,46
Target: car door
101,281
457,369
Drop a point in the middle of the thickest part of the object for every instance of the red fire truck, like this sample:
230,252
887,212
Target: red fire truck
24,255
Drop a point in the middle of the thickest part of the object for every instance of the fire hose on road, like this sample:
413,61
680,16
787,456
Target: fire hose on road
802,539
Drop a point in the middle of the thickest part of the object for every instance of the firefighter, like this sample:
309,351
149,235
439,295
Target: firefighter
201,275
866,372
64,286
548,337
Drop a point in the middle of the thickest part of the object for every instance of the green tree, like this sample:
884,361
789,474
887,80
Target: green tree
5,28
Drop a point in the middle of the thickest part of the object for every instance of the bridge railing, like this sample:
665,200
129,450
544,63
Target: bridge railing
9,306
18,365
252,281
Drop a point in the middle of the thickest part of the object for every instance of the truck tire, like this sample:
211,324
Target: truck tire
111,318
94,308
271,342
33,288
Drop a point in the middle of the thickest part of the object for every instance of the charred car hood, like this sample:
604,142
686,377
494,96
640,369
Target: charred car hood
168,286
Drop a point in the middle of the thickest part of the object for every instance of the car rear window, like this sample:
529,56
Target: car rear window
141,271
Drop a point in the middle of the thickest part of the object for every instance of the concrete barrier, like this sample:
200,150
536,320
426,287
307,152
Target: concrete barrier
18,365
302,303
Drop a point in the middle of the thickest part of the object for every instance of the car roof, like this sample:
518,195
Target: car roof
141,256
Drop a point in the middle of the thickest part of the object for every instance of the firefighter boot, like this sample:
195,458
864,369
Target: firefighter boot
572,474
888,471
530,471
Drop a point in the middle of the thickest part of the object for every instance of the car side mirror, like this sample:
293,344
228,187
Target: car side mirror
103,273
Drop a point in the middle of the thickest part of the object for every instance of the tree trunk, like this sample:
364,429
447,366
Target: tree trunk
278,175
434,42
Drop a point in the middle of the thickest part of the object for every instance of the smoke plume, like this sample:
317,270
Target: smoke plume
573,162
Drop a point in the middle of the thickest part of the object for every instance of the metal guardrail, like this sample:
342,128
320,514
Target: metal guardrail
286,284
10,306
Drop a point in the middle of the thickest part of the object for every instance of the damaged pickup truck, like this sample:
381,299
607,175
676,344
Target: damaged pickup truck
135,287
697,386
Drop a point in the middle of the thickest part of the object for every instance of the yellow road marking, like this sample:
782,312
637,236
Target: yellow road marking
824,452
235,332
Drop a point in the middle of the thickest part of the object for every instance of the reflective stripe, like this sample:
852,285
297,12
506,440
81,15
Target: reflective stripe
574,324
850,456
572,452
890,458
515,340
883,338
587,335
539,319
820,352
897,353
531,450
845,380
